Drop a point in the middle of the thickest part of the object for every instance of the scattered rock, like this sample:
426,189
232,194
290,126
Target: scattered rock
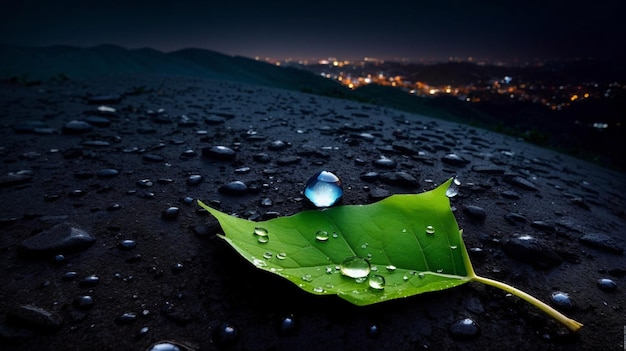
62,238
34,317
602,242
219,152
532,251
400,178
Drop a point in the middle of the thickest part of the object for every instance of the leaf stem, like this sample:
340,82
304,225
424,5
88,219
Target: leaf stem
568,322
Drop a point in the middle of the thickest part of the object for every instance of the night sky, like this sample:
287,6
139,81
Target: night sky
386,29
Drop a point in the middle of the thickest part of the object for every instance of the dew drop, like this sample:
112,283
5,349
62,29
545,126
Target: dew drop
260,231
377,282
360,279
421,275
453,189
405,278
321,235
281,255
267,255
355,267
453,247
335,235
323,189
430,230
263,239
391,268
318,289
307,278
440,270
329,270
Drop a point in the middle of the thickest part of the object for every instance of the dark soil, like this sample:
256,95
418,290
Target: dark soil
182,283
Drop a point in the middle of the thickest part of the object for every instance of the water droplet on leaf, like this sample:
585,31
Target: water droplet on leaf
430,230
453,189
321,235
355,267
260,231
377,282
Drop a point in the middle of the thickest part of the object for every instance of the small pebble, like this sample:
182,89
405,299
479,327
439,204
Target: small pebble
607,284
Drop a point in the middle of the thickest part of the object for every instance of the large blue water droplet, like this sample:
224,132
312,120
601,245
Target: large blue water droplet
323,189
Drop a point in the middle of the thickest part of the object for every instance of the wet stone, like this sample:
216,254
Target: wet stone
126,318
34,317
385,163
150,157
167,346
98,121
62,238
114,207
219,152
378,194
514,217
287,325
76,127
144,183
15,178
519,182
234,188
242,170
262,158
454,160
189,153
170,213
226,335
277,145
488,169
543,225
530,250
369,177
83,302
510,194
373,331
562,300
214,120
89,281
194,179
602,242
96,143
107,173
127,244
607,284
464,329
475,212
401,178
71,275
288,160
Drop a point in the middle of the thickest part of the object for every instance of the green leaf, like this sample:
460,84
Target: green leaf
411,244
390,233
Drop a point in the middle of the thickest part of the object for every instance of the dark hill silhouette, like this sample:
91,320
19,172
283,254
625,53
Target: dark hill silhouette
28,65
42,63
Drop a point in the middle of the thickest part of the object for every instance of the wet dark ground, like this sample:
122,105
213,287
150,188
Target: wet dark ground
134,173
